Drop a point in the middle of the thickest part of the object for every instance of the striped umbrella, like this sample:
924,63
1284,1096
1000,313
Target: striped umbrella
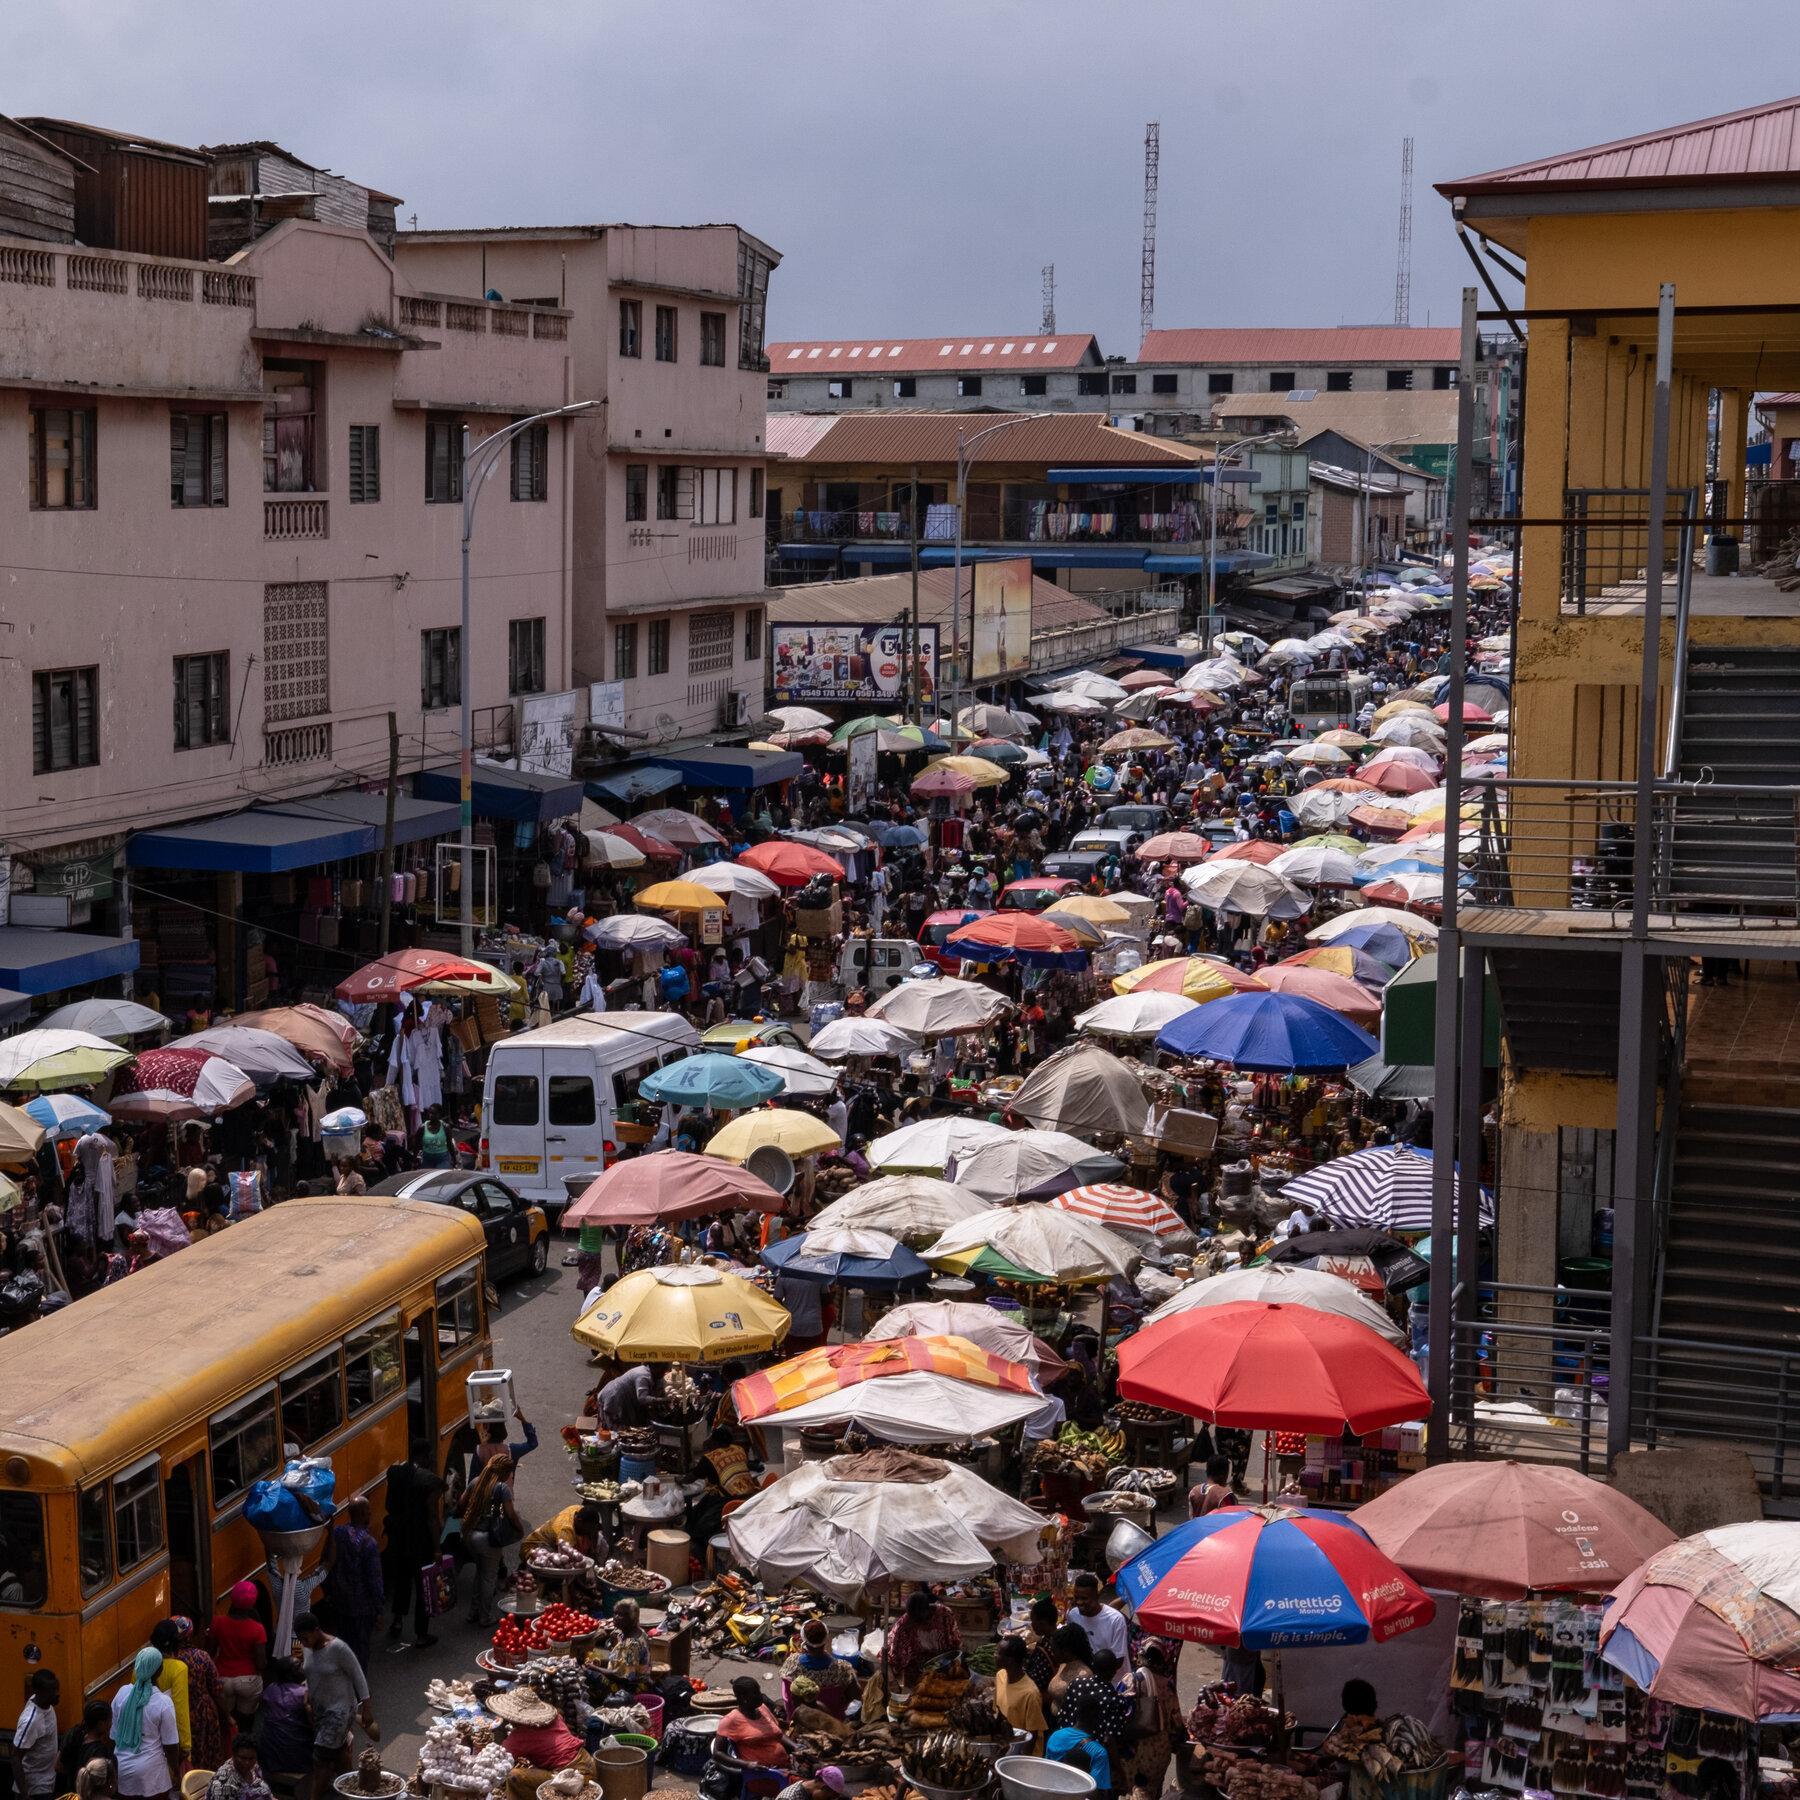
833,1367
1385,1188
1141,1217
1199,978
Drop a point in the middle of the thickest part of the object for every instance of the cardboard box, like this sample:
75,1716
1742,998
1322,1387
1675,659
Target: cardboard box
821,922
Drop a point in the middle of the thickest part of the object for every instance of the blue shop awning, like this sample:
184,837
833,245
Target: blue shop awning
252,842
638,781
1165,656
47,962
729,766
1227,562
414,819
521,795
808,552
1157,477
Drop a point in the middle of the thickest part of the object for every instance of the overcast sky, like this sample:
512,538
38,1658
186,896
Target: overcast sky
916,162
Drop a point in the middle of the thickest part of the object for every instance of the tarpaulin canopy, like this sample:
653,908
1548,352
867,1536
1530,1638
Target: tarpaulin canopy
732,766
522,795
46,962
1082,1090
637,782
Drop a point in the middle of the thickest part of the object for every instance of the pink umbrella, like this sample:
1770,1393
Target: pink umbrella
1250,850
942,784
1339,992
178,1085
674,826
1409,754
1472,713
670,1184
1399,778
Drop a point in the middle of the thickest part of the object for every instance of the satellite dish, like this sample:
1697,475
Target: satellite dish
771,1164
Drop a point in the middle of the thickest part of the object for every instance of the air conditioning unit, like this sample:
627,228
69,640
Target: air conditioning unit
734,711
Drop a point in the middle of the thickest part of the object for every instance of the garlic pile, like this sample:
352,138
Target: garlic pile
448,1759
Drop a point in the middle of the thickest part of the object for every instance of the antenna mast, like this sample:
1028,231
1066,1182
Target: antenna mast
1403,269
1147,280
1048,327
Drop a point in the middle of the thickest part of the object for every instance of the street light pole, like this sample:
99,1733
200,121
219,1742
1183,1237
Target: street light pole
963,447
478,462
1220,458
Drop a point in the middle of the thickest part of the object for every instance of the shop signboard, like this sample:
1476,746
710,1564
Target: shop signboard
606,703
861,664
1002,608
860,773
547,732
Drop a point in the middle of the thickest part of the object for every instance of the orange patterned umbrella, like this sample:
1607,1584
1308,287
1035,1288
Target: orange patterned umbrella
834,1367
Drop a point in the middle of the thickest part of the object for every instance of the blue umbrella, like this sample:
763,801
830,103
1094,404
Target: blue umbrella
1388,942
709,1079
67,1115
890,834
795,1256
1273,1033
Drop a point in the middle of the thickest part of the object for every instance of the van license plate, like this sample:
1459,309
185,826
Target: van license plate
517,1165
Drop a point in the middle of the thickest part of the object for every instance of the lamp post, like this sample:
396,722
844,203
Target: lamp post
1220,458
478,462
963,447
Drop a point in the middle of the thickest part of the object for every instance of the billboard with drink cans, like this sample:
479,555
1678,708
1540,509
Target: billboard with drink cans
850,662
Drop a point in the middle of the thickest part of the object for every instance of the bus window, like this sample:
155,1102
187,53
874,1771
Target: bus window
95,1534
137,1514
372,1363
515,1100
571,1100
21,1550
458,1311
245,1446
312,1401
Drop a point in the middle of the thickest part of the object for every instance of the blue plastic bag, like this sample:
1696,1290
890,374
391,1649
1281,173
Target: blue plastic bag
276,1505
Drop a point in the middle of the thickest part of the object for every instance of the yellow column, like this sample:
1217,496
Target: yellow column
1734,425
1546,428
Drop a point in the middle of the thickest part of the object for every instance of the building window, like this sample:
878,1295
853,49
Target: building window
65,720
712,340
1035,385
1442,378
197,459
625,651
443,457
1124,384
1219,382
756,493
531,463
1337,381
290,409
296,651
968,387
753,305
202,700
1281,381
62,458
365,464
525,656
1162,384
668,491
709,643
631,327
777,390
753,634
1399,380
906,387
657,663
440,668
1090,382
665,334
637,491
715,494
839,389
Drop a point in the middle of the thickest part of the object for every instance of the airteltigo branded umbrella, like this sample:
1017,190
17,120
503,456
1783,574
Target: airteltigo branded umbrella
1269,1033
1384,1188
1503,1530
1255,1364
726,1083
850,1256
1269,1578
668,1185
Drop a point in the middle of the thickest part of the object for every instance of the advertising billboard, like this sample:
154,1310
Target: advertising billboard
840,661
547,732
1002,619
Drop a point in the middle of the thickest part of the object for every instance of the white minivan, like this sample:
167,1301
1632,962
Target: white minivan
551,1097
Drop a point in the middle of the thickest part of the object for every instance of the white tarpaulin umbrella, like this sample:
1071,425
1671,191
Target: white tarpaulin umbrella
860,1036
263,1056
1061,1245
914,1208
940,1008
1315,865
1410,923
887,1515
920,1408
727,878
1283,1285
1323,808
930,1144
800,718
613,852
1141,1013
1080,1089
114,1019
1245,887
800,1074
981,1325
1032,1164
634,931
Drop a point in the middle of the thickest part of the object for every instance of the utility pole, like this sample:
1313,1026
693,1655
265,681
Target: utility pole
1047,325
915,678
1147,270
387,831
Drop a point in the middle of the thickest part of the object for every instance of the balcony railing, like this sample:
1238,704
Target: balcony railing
296,517
1606,548
290,745
122,274
1016,526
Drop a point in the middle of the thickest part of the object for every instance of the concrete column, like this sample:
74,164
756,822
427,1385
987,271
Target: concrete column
1527,1212
1734,429
1546,426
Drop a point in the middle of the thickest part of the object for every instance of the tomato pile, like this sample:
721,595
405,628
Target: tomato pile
556,1624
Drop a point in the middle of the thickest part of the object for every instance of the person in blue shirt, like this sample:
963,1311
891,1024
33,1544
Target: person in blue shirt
1078,1744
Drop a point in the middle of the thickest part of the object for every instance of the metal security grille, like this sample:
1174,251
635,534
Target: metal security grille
709,643
296,651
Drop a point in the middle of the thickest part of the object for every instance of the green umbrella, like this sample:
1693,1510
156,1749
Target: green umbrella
1330,840
888,736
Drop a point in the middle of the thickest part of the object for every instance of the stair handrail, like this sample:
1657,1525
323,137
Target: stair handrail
1676,974
1684,588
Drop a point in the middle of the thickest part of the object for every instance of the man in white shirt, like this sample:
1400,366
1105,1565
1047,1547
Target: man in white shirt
837,1116
1104,1625
34,1740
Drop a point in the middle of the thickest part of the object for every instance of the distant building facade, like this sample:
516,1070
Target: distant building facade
1020,372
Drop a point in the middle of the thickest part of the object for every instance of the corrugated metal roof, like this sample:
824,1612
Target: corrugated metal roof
925,437
127,140
1020,350
1757,143
874,599
793,434
1284,346
1409,416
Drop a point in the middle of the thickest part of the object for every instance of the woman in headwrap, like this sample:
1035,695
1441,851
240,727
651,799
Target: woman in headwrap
207,1705
145,1737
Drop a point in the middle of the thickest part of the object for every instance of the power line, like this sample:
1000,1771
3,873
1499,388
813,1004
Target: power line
1147,271
1403,267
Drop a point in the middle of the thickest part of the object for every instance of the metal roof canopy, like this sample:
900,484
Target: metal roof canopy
522,795
252,842
47,962
414,819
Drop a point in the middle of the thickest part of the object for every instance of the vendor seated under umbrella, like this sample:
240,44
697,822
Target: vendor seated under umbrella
538,1739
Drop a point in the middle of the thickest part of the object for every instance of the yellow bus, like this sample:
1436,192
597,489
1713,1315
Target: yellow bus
133,1422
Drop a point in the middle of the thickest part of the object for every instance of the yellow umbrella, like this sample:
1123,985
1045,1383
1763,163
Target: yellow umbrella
1095,908
20,1136
798,1133
1343,740
1195,977
678,896
978,769
687,1312
1394,708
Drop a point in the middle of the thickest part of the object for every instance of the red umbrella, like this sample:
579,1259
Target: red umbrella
1175,846
670,1184
173,1085
1250,850
400,970
942,784
1506,1529
1472,713
1339,992
1144,678
1399,778
1380,820
646,841
1028,937
1284,1368
791,865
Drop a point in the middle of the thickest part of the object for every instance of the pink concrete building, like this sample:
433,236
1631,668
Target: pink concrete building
666,328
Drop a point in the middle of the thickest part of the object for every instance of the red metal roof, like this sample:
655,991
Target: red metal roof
1758,143
1059,439
1285,345
1021,350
